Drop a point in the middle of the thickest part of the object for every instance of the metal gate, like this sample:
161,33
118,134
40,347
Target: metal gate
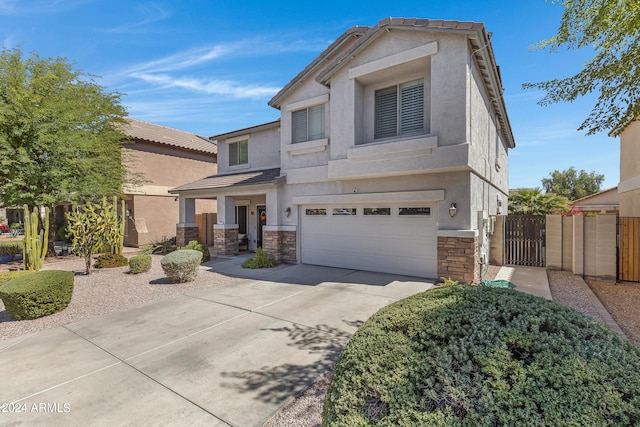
524,240
629,249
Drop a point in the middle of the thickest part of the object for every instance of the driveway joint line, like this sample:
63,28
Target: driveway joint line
124,362
71,380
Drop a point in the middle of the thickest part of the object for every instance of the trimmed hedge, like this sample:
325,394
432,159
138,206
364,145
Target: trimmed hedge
11,248
181,266
8,275
111,261
480,356
139,264
197,246
37,294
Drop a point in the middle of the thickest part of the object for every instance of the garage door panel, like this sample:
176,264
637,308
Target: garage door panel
392,244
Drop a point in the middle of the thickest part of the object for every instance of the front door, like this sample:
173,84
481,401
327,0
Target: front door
262,220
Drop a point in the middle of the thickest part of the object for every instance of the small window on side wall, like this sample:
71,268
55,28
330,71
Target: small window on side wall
307,124
239,153
414,211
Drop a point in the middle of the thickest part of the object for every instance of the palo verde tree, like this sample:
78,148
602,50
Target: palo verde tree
610,28
572,184
60,137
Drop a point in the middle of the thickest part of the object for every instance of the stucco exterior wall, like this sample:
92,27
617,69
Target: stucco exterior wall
629,186
264,151
165,168
162,168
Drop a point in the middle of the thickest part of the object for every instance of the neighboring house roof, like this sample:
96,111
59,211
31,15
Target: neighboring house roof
362,36
268,176
603,200
137,129
257,128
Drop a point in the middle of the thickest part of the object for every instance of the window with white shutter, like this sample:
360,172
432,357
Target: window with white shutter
307,124
399,110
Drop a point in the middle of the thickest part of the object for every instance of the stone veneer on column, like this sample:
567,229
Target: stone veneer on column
225,240
458,258
280,245
186,234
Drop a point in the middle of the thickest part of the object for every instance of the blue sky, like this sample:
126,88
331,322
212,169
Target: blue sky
209,67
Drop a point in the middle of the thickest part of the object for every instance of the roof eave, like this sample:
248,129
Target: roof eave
346,37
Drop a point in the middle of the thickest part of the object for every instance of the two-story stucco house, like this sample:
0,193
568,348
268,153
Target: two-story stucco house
390,155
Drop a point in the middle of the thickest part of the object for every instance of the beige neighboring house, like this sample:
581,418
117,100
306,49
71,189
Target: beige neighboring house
602,202
166,158
390,155
629,186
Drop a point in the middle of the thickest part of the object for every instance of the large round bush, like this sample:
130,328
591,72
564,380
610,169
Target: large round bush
37,294
181,266
478,356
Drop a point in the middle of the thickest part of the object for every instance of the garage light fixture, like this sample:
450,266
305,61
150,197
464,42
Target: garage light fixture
452,210
287,212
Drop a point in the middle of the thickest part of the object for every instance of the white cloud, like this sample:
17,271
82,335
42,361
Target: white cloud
179,61
211,87
150,13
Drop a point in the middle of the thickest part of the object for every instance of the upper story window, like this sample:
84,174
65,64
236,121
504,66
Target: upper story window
399,110
239,153
307,124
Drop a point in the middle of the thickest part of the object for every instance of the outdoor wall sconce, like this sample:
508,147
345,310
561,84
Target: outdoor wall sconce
452,210
287,212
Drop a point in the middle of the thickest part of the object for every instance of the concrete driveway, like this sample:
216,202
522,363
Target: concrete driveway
231,355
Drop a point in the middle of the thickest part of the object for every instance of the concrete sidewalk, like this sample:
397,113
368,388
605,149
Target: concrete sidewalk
530,280
232,355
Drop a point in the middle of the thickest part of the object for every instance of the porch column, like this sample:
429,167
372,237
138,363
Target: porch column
279,241
187,228
225,232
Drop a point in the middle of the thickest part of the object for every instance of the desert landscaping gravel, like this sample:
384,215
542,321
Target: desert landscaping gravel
111,290
107,291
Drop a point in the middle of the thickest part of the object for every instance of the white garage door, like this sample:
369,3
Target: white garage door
390,239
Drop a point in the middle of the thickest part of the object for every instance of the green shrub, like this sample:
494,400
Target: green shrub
111,261
8,275
478,356
139,264
259,261
11,248
181,266
197,246
37,294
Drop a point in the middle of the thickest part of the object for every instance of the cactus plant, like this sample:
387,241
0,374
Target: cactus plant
35,243
114,230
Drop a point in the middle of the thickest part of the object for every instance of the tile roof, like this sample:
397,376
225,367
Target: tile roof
268,176
137,129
